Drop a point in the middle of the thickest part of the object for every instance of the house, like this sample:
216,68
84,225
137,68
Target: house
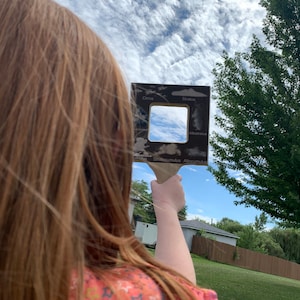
146,233
193,227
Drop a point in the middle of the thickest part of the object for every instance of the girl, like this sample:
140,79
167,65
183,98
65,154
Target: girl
66,139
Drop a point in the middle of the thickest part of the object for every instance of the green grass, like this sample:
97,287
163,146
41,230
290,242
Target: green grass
233,283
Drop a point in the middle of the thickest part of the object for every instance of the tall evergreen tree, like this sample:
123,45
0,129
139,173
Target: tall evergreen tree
258,95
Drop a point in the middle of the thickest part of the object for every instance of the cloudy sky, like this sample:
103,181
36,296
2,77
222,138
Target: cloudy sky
177,42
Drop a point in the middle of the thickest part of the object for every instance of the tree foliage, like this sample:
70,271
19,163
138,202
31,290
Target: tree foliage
258,96
253,236
289,241
266,244
144,210
230,225
260,222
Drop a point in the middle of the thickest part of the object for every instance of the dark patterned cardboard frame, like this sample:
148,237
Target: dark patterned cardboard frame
196,99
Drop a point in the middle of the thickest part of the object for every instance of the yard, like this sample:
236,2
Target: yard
233,283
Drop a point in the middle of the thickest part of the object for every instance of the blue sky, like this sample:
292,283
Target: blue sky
178,42
206,199
168,124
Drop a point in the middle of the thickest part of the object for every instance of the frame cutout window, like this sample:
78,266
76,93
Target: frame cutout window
168,124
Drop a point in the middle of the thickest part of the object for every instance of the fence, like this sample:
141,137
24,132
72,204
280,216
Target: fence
244,258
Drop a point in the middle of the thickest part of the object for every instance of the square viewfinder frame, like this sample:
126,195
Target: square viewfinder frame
196,98
166,119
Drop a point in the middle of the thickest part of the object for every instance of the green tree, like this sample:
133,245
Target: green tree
265,243
277,242
258,95
250,238
196,218
143,209
183,213
289,241
230,225
247,238
260,222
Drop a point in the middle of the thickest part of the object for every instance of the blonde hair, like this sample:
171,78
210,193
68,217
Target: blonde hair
66,138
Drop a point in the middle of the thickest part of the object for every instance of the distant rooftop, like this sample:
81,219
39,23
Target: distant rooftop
198,225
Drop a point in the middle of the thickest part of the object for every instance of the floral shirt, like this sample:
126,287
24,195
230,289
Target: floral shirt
130,284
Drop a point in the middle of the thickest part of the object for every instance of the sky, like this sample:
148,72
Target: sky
178,42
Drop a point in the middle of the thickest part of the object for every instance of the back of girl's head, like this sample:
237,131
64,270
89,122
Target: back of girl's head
65,149
65,157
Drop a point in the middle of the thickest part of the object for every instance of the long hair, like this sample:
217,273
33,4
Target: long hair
66,137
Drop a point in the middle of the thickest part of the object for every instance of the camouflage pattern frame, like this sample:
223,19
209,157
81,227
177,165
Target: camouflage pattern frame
196,98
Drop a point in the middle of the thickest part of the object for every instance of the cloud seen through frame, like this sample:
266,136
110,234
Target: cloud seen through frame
168,124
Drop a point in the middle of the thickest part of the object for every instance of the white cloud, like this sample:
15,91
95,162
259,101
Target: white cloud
175,42
141,171
191,169
148,177
201,217
168,124
239,176
137,166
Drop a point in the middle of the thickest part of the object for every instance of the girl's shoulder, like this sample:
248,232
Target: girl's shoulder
127,283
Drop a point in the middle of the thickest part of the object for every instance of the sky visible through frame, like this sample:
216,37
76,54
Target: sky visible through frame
168,124
178,42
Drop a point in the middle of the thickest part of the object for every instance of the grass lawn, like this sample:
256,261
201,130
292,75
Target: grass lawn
233,283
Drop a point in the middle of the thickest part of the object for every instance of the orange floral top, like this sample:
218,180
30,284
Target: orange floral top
128,283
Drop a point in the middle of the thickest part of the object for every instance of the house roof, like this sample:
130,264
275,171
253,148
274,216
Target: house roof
198,225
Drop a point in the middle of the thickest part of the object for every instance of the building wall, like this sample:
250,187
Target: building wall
226,240
146,233
130,210
188,235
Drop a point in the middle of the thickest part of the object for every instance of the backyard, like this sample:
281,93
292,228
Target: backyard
233,283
